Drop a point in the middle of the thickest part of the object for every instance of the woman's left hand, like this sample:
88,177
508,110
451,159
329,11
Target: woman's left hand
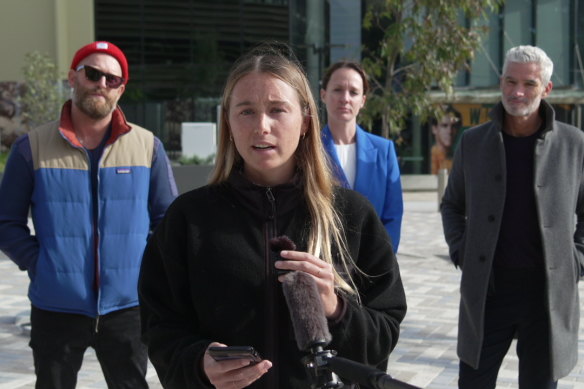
322,273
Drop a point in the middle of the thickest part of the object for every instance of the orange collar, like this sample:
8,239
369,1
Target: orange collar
119,125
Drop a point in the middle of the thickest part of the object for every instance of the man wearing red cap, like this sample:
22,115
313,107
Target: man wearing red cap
96,186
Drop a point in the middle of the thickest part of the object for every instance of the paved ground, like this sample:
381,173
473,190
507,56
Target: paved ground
425,355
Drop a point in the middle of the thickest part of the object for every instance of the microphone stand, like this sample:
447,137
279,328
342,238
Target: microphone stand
316,366
324,366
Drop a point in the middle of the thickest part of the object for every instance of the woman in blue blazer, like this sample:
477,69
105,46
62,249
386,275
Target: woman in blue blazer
362,161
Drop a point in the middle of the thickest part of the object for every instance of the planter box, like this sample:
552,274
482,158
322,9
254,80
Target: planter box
189,177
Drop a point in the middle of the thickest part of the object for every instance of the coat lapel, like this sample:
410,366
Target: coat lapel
329,145
366,162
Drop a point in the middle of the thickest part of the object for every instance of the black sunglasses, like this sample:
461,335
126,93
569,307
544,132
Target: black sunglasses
94,75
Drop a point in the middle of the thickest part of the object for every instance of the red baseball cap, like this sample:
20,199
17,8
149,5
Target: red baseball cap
105,48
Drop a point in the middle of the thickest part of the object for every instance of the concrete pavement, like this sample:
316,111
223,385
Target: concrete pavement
425,355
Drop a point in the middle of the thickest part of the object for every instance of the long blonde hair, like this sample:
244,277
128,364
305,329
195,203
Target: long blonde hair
326,229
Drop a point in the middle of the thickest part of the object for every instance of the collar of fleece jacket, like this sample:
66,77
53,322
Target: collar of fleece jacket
254,198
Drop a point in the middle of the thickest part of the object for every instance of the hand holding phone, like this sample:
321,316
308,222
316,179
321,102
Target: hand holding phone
246,365
220,353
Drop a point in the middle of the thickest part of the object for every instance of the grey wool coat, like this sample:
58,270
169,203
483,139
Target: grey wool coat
472,209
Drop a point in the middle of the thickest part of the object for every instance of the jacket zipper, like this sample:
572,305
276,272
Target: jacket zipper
95,223
97,235
94,226
271,292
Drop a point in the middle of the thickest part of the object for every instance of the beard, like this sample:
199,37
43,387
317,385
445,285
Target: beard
93,106
525,110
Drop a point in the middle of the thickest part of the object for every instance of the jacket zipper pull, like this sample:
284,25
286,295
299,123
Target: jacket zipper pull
272,201
97,324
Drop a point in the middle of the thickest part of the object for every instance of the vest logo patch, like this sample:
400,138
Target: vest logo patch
123,170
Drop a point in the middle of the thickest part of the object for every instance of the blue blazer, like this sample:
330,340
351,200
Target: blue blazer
377,177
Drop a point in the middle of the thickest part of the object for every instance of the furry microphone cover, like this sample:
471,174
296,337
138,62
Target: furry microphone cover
306,311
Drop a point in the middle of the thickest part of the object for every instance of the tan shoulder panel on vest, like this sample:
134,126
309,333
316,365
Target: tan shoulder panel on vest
50,150
134,148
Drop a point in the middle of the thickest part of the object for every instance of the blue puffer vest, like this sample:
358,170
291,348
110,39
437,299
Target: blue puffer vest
82,268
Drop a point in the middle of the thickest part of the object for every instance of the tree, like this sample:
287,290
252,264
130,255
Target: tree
422,45
44,92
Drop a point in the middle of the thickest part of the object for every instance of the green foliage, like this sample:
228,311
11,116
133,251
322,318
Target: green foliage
196,160
3,159
44,91
422,46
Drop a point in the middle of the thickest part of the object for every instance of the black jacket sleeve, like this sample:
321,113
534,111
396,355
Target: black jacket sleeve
169,323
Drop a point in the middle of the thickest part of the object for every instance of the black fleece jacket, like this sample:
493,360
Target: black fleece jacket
207,275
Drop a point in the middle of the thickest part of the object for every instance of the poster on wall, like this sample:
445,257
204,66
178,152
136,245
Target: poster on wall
447,130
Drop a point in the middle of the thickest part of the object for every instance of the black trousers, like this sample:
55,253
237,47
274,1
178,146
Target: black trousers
59,340
516,307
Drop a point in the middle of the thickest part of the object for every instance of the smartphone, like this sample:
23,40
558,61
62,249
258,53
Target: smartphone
234,352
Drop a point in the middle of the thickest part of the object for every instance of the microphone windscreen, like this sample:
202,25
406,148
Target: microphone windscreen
308,318
280,243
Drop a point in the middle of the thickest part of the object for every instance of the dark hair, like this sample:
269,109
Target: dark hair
350,65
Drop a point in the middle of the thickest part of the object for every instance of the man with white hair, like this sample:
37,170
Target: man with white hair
96,186
513,216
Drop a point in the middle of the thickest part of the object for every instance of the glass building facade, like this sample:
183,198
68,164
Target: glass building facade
181,50
557,26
